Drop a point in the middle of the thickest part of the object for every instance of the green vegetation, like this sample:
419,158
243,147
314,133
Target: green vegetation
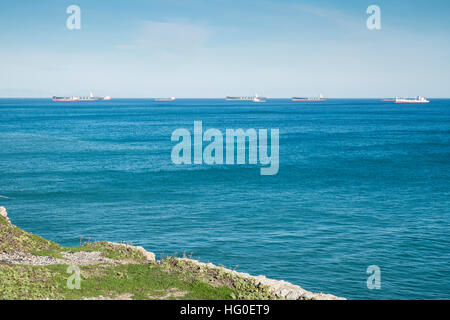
110,250
18,240
244,289
133,281
130,276
26,282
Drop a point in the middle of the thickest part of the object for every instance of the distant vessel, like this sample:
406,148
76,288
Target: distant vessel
91,97
387,99
257,98
418,99
254,98
165,99
319,98
239,98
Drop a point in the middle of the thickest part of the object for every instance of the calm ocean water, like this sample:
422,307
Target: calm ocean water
361,182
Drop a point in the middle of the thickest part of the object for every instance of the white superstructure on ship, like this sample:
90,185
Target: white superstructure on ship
418,99
91,97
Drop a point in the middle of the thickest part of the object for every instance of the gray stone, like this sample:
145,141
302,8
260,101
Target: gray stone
293,295
150,256
308,296
281,289
4,213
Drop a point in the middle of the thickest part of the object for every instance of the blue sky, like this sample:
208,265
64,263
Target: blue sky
207,48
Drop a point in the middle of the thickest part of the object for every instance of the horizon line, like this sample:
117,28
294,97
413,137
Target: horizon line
222,98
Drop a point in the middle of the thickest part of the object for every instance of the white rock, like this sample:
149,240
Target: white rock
150,256
284,292
4,213
308,296
293,295
281,289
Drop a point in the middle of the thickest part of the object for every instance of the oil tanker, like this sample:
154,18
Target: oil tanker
411,100
91,97
255,98
243,98
319,98
165,99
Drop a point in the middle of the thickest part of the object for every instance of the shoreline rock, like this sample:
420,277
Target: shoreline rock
280,288
4,214
149,256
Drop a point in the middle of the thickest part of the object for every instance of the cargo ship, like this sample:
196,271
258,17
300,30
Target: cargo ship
319,98
418,99
239,98
257,98
91,97
254,98
165,99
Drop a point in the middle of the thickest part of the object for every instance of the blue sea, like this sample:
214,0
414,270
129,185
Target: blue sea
360,183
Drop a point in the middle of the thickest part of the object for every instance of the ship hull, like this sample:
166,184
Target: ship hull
75,99
239,99
418,99
412,101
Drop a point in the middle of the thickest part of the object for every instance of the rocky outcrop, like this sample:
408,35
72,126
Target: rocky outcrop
281,289
4,213
149,256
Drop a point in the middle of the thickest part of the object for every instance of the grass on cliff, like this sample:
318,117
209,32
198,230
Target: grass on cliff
13,238
131,277
110,250
164,280
128,281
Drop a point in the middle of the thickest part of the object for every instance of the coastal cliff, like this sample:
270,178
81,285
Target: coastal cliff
32,267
